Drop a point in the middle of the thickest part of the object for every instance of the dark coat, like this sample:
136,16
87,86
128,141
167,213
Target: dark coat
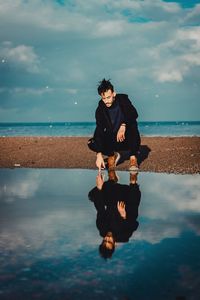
108,217
104,129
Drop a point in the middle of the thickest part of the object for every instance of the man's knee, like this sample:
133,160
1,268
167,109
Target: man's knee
92,144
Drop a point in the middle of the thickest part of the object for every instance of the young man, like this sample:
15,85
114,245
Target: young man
116,128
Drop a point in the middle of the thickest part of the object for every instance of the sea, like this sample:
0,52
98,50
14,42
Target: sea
179,128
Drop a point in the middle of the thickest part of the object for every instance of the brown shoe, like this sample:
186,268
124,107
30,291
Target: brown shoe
133,177
133,164
112,176
112,161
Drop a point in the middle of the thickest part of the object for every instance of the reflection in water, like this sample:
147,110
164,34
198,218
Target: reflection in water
48,238
117,210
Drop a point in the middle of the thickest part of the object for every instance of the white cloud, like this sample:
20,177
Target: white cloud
147,5
28,91
169,73
191,59
32,91
193,15
45,15
72,46
6,6
175,58
172,8
109,28
71,91
85,18
21,55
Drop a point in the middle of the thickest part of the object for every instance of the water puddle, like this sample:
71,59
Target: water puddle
50,233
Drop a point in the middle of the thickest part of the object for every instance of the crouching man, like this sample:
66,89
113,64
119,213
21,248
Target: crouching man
116,132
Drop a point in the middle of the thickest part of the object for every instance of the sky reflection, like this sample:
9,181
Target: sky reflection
49,239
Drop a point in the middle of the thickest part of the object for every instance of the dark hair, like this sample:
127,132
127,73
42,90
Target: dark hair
105,252
104,86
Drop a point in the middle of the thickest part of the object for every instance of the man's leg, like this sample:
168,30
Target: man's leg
135,145
133,177
112,176
107,148
130,147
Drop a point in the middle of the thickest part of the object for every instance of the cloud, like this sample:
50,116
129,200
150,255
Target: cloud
142,11
144,5
86,18
50,15
73,45
109,28
72,91
20,55
192,17
175,58
23,91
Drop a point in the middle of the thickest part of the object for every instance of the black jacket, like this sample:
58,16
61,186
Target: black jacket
104,128
102,116
108,217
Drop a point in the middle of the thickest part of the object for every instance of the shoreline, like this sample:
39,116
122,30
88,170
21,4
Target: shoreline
162,154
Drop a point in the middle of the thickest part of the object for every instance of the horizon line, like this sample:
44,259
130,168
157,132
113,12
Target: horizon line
92,122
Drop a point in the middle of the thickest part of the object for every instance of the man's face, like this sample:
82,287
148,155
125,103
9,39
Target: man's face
108,241
108,97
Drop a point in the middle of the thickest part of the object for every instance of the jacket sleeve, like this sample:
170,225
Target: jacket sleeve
99,132
130,112
132,205
96,197
133,201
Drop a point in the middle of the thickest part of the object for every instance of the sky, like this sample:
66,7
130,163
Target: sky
54,53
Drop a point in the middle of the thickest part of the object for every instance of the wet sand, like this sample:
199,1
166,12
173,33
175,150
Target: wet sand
179,155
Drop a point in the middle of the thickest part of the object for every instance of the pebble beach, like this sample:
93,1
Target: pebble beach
178,155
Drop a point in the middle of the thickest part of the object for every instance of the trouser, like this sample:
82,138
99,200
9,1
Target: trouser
109,144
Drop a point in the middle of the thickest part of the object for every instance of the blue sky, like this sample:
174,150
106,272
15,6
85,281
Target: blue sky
54,53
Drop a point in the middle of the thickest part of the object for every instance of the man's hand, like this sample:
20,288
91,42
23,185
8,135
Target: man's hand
99,181
121,209
121,133
100,162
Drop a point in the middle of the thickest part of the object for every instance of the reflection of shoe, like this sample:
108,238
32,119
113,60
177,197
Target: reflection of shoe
113,160
112,176
133,164
133,177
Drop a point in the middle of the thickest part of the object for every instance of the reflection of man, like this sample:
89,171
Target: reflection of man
117,210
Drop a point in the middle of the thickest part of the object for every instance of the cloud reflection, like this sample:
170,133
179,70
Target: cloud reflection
171,203
57,210
22,186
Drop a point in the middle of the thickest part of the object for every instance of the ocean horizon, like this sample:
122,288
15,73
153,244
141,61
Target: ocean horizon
146,128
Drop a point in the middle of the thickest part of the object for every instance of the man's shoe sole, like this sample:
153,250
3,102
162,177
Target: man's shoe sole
118,156
133,169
